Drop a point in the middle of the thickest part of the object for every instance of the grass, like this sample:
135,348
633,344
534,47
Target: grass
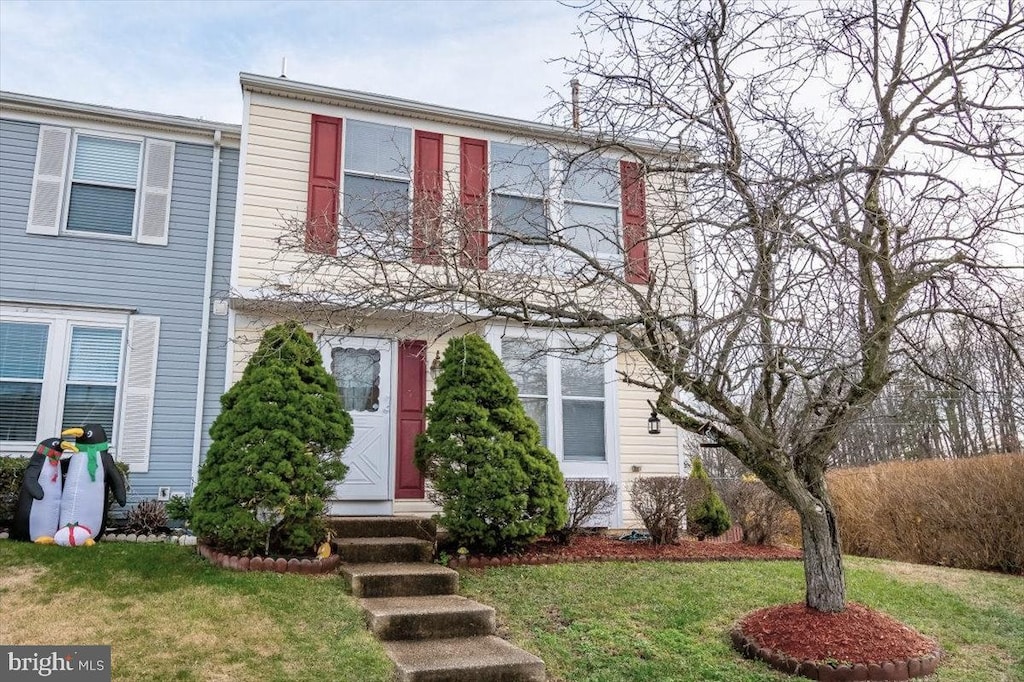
171,616
662,621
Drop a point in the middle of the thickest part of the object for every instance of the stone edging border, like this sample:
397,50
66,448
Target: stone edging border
269,564
541,559
169,538
828,672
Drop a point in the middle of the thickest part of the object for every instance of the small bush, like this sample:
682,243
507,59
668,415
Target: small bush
588,498
179,508
764,517
965,513
498,487
706,515
276,450
12,470
147,517
660,502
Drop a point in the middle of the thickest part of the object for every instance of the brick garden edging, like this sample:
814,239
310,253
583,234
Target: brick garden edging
827,672
541,559
269,564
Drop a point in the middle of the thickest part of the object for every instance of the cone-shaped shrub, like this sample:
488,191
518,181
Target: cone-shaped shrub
498,487
276,451
706,515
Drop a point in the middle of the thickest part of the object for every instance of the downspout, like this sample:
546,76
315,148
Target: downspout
204,334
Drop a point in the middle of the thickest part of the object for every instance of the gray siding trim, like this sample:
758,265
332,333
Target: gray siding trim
154,280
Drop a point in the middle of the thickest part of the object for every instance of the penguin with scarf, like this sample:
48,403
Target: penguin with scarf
91,472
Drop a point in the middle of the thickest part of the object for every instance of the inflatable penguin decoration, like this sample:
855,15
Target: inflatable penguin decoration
83,506
38,511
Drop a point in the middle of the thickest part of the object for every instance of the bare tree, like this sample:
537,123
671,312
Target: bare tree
838,178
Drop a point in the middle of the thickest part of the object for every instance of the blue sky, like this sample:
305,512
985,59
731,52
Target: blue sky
184,57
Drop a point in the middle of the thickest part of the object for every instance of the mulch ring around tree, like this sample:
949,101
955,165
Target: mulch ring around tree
856,644
604,548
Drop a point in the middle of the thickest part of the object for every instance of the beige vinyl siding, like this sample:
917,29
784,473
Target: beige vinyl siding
653,455
276,184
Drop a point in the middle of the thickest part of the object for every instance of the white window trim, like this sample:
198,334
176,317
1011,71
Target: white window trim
66,207
55,371
608,468
555,260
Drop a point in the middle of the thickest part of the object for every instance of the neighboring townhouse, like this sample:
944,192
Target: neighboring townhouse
330,160
115,247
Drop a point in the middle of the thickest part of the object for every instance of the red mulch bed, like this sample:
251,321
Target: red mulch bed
592,547
857,635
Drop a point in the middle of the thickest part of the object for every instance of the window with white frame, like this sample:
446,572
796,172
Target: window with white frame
565,391
61,368
590,217
57,372
92,183
104,180
519,181
377,180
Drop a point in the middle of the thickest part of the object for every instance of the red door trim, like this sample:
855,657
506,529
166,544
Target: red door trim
411,420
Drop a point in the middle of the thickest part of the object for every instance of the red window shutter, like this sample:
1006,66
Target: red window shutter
324,177
473,200
634,220
412,402
426,198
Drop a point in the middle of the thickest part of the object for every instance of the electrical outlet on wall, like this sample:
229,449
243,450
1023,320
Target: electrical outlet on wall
163,493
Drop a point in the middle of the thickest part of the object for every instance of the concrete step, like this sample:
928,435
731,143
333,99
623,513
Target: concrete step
382,527
463,659
399,580
383,550
437,617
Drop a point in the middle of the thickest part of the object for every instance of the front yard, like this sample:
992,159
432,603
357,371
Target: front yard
171,616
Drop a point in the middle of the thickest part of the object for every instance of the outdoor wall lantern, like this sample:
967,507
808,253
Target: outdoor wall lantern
435,366
653,424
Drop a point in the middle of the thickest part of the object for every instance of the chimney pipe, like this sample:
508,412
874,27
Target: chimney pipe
575,103
284,67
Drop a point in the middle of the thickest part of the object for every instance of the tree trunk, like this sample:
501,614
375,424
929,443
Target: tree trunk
823,561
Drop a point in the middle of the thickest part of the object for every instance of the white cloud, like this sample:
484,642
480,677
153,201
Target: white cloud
184,58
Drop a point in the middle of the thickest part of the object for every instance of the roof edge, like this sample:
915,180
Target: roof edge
276,85
21,102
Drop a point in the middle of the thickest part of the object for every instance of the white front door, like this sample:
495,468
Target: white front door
362,369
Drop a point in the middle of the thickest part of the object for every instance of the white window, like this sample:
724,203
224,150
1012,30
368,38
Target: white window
566,385
96,184
377,184
62,368
590,216
519,181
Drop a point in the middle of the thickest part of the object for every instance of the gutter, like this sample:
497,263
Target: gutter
409,108
204,334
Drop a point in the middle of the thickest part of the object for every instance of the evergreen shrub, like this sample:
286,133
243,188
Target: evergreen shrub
706,515
276,452
498,487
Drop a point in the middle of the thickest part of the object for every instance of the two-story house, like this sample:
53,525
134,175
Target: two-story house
342,194
115,248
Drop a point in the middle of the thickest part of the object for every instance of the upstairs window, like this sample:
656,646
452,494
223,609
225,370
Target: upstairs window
519,184
377,179
92,184
103,186
590,218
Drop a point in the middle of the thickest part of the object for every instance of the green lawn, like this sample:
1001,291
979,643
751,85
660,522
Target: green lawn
662,621
170,616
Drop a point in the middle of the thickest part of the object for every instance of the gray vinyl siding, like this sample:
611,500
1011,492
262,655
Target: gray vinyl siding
154,280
